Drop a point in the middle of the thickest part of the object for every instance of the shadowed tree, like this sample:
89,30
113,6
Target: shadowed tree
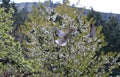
112,34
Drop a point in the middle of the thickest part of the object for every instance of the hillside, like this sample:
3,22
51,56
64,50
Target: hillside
28,7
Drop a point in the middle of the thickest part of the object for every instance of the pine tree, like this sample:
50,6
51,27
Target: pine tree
112,32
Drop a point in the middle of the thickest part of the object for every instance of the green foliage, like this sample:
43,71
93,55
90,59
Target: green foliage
112,34
77,58
6,5
37,54
11,58
96,16
111,31
18,17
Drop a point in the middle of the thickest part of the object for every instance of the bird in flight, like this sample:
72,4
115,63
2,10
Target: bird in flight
63,36
92,31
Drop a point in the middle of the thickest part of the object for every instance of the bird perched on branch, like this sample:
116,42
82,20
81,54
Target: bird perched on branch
63,36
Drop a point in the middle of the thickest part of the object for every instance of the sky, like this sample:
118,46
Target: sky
109,6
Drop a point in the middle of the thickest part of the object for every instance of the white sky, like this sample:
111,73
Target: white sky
111,6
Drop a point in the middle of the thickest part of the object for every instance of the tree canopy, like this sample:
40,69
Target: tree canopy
31,51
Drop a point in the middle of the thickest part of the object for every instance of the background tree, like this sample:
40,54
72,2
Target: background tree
111,30
112,34
96,16
18,18
6,5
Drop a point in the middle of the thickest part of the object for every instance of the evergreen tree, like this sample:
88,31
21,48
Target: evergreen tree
17,17
112,34
96,16
6,5
11,58
110,29
77,58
